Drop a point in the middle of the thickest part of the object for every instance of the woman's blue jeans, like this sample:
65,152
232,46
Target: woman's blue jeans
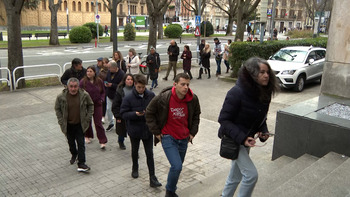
242,171
175,151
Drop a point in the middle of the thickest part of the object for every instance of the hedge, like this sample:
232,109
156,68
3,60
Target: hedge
80,34
241,51
173,31
92,26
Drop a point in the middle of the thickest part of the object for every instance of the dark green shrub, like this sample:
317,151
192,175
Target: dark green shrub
173,31
209,29
241,51
129,32
80,35
92,27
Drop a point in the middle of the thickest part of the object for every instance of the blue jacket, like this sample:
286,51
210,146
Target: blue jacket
243,114
136,125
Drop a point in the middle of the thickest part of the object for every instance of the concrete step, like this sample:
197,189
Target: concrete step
283,174
337,183
309,177
213,185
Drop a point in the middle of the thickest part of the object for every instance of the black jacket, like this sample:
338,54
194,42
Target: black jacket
117,102
205,58
136,125
243,114
201,47
175,52
121,65
115,79
69,73
152,66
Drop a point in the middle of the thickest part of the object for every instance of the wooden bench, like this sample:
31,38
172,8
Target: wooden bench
37,35
64,34
26,36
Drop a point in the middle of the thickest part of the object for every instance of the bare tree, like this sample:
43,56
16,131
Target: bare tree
109,5
54,30
312,6
161,20
154,8
15,52
244,10
230,8
193,6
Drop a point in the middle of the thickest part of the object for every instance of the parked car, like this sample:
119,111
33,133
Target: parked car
295,66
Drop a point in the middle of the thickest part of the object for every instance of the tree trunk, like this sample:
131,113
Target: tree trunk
160,26
54,30
229,25
15,52
240,22
152,39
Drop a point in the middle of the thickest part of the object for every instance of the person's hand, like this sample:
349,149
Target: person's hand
119,120
159,137
184,57
129,65
249,142
170,53
190,138
140,113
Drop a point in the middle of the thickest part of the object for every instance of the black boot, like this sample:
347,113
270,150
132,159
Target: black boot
200,73
208,73
228,69
153,182
170,194
135,172
122,145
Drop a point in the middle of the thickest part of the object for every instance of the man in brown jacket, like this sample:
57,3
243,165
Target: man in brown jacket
173,117
74,109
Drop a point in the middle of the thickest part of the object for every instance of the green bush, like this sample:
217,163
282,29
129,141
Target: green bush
80,35
173,31
241,51
209,29
300,34
129,32
92,27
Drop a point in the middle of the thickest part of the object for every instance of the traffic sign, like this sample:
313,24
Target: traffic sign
198,20
197,32
97,18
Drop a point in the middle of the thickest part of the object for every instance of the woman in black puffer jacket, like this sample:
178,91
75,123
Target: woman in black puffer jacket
243,116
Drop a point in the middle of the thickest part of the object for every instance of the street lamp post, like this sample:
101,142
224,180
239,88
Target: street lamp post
128,21
96,18
67,20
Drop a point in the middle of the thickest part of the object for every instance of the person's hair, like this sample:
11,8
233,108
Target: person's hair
122,83
105,59
252,67
202,40
229,41
187,47
216,38
76,61
73,79
138,78
95,79
181,75
113,64
207,50
132,50
119,54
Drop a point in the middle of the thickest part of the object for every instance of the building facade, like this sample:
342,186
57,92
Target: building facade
78,13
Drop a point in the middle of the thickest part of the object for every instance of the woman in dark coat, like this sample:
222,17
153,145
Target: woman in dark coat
124,88
153,63
243,118
187,56
205,61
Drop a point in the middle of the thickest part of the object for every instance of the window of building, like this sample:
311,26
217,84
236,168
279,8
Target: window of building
87,6
283,13
43,3
292,3
269,2
99,7
133,9
74,6
300,13
92,7
142,10
120,8
79,6
65,5
276,13
104,8
60,7
284,2
291,14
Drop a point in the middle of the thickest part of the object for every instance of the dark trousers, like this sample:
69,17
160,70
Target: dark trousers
148,146
75,136
189,73
100,131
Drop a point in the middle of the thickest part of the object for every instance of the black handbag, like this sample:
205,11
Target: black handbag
229,148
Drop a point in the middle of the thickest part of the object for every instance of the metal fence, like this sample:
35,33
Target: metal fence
8,79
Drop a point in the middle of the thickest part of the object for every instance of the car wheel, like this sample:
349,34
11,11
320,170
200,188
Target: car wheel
299,85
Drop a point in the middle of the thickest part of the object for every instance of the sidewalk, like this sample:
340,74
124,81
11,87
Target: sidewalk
35,157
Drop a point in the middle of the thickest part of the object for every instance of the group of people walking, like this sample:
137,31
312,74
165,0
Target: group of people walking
172,117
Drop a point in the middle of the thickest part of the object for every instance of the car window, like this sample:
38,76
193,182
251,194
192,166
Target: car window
321,54
290,55
312,55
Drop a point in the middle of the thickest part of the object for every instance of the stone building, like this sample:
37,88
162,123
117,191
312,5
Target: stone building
79,12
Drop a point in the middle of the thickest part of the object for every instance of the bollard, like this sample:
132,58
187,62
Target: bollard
1,38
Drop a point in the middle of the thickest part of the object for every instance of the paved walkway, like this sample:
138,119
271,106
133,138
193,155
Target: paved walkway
35,158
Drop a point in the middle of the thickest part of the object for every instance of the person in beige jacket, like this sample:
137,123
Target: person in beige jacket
74,109
132,62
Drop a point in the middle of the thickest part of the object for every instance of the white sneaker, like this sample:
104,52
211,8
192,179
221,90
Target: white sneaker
103,120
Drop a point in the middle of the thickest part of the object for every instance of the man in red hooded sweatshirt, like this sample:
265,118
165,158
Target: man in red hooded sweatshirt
173,118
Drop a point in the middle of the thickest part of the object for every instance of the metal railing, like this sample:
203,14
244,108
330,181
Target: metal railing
8,79
36,76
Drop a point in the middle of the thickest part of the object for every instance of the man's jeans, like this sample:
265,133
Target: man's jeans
75,137
242,171
175,150
218,64
109,111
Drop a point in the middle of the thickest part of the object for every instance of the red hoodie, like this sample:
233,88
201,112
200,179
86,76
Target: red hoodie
177,123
